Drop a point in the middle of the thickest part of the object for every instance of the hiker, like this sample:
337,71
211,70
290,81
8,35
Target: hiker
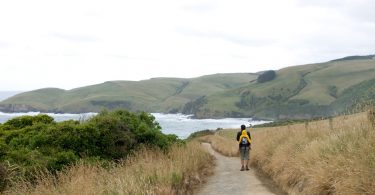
244,143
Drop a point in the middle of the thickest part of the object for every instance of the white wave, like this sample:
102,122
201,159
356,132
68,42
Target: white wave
184,125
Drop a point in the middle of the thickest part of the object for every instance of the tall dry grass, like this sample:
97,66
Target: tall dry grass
371,116
335,156
148,172
225,146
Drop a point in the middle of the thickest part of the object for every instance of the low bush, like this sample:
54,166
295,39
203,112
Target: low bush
24,121
35,143
266,76
200,134
3,177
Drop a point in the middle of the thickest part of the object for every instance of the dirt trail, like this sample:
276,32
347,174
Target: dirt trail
228,179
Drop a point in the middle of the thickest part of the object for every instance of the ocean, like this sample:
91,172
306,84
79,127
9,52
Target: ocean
178,124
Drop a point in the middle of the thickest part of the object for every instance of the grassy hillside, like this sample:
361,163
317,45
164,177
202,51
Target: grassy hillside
336,76
306,91
153,95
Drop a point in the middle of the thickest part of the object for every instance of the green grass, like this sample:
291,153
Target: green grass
341,74
43,98
301,91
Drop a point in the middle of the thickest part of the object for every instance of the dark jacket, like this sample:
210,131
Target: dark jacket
238,138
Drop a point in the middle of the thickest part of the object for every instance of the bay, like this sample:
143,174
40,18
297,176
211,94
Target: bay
184,125
178,124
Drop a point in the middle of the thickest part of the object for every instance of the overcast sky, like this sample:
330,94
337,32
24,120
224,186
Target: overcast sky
73,43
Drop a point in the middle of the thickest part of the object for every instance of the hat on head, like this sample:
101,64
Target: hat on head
243,127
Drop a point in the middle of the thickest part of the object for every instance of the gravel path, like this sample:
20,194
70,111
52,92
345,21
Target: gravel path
228,179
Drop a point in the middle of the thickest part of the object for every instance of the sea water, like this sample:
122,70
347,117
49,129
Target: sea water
184,125
178,124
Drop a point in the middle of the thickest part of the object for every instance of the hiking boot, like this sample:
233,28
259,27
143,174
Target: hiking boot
242,168
247,168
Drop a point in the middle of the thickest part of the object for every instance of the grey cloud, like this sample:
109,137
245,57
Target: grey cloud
321,48
357,35
227,37
362,11
321,3
74,37
65,54
132,58
4,44
199,7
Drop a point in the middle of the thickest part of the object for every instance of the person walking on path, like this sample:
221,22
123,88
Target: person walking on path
244,143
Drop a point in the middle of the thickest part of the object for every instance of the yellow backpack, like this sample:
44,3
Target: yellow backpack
244,138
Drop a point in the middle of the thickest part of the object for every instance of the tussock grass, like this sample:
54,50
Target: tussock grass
334,156
224,146
371,116
148,172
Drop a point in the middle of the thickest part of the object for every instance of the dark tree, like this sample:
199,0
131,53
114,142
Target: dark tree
266,76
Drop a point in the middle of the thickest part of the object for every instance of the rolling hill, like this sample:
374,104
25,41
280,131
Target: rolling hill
305,91
153,95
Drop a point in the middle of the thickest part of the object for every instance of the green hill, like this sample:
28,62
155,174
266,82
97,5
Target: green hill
306,91
300,92
153,95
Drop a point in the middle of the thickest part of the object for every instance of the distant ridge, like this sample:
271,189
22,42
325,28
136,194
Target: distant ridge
368,57
296,92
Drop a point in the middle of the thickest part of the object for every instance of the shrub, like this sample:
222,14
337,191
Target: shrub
266,76
121,131
3,149
3,177
36,143
24,121
61,159
19,122
332,90
43,118
200,134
